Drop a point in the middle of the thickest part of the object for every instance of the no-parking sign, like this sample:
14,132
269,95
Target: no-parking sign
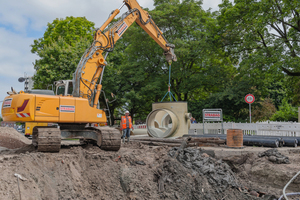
249,98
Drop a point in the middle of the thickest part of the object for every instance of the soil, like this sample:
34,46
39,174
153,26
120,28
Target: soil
263,174
140,171
12,139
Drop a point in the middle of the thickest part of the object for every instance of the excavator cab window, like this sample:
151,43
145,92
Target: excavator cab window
60,90
64,87
70,88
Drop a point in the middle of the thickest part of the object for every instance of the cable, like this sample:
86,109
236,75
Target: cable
141,19
284,195
169,85
89,89
289,194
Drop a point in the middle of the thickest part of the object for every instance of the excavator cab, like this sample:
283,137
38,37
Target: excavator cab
64,87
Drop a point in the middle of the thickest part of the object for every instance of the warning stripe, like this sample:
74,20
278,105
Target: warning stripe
21,115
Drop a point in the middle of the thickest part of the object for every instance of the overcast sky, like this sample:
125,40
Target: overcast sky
23,21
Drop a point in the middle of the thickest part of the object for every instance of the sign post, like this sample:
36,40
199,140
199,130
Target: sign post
249,98
212,115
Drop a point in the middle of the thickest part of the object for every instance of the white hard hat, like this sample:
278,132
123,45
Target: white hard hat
127,112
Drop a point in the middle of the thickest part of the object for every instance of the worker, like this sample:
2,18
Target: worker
194,121
126,125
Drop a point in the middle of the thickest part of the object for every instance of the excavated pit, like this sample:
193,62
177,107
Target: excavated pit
140,171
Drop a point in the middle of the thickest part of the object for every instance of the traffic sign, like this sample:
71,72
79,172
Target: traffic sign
249,98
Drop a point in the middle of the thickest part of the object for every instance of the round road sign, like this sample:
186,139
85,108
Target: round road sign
249,98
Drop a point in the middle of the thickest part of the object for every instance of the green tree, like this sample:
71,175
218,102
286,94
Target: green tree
202,67
60,50
286,112
263,110
230,100
58,61
263,33
262,39
71,29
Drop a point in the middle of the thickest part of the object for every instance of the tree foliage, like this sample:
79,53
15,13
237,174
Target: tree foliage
263,110
263,34
286,112
71,29
60,50
202,68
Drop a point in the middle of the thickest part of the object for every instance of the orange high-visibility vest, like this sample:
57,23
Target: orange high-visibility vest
123,122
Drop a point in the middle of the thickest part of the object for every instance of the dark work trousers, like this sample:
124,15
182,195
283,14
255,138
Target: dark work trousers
126,133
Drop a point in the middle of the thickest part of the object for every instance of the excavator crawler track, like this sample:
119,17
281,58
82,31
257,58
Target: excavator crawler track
109,139
46,139
49,139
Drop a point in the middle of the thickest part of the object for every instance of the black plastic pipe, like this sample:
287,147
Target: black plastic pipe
283,140
261,142
290,142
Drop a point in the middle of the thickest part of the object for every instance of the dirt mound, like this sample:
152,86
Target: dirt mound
80,173
12,139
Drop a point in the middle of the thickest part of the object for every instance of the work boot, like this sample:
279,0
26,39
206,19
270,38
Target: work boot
128,139
123,139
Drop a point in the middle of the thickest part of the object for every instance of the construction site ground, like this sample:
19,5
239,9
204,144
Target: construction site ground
139,171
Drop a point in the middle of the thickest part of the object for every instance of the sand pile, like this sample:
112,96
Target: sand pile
12,139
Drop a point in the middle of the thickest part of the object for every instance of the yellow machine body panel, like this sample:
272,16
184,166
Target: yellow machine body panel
88,114
30,125
67,110
19,108
47,108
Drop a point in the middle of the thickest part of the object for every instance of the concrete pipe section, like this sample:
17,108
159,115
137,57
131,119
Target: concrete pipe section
168,119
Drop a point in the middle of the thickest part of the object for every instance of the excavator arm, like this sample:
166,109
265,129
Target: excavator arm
92,64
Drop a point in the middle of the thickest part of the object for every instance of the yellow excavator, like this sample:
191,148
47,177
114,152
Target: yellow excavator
72,112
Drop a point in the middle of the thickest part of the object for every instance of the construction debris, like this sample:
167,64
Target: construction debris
275,156
217,172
